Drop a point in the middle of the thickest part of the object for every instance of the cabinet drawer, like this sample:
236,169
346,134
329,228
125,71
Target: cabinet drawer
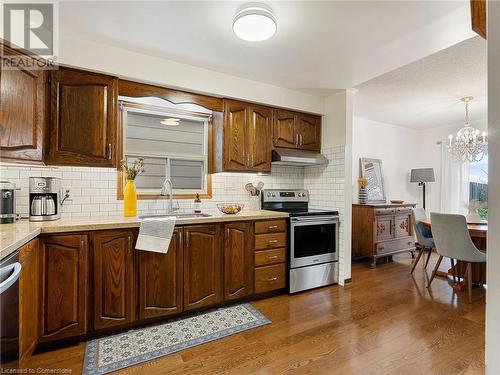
394,246
266,257
269,278
270,226
269,241
384,211
403,210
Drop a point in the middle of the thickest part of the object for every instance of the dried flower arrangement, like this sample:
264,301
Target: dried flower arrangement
362,182
135,169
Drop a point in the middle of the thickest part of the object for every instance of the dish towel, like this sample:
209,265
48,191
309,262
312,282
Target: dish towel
155,234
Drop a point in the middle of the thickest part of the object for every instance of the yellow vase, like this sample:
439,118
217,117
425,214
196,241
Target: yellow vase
129,199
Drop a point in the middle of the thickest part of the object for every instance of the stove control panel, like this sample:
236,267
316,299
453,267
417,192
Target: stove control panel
278,195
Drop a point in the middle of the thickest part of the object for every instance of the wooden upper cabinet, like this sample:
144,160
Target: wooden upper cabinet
260,138
309,131
296,130
113,277
83,119
22,110
64,286
247,137
160,280
203,263
284,133
238,261
235,136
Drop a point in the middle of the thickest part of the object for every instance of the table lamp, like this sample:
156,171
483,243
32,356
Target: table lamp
421,176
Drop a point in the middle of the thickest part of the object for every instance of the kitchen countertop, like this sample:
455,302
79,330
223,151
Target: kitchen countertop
13,236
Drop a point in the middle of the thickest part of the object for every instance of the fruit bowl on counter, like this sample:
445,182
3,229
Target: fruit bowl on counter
230,208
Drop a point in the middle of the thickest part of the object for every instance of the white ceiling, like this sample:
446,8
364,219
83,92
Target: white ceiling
318,47
426,93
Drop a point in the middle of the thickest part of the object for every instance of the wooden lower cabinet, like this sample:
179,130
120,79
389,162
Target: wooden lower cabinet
160,280
270,256
238,261
73,284
64,270
113,267
203,264
28,299
270,278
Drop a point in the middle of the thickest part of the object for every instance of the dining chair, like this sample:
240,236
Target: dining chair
452,239
424,238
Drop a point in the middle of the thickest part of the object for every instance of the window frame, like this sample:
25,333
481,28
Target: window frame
206,192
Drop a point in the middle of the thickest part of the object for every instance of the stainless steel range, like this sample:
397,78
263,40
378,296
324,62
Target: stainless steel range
313,239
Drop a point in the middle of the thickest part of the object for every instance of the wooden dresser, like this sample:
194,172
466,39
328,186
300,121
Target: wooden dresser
381,230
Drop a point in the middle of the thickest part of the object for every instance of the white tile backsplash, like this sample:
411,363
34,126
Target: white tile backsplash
93,190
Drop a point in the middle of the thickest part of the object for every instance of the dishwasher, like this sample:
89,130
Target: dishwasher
10,269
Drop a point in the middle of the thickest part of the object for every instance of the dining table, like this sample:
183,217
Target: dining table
479,234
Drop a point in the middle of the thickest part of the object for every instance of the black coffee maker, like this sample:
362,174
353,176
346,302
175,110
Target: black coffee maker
8,202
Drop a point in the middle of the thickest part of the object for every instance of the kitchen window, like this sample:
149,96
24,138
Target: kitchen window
174,145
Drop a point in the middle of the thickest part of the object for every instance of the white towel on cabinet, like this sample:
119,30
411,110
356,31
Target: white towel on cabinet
155,234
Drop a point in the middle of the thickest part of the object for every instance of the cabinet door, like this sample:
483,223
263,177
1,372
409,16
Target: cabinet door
259,138
22,110
83,118
202,266
309,129
64,286
238,261
284,132
384,227
113,277
236,157
402,226
160,280
29,282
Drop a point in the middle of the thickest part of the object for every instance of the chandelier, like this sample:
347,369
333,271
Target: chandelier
468,145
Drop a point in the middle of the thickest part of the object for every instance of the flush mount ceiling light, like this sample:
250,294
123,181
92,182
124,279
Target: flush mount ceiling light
254,23
170,121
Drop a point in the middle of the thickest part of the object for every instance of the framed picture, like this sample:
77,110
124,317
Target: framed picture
371,169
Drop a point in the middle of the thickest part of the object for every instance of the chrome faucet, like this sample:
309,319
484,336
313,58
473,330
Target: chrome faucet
163,192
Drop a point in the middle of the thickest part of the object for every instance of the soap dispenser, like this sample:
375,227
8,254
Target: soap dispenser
197,204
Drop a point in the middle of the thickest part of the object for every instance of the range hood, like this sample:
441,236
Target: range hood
298,158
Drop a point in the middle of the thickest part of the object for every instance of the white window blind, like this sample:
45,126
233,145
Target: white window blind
175,152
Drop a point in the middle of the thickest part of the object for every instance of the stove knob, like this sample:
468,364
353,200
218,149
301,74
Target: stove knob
274,195
268,195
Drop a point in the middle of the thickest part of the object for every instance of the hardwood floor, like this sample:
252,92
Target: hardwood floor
384,322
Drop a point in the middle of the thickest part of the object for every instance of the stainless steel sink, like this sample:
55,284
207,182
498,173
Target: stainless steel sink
178,215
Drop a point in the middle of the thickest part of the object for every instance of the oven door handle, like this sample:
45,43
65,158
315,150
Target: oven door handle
315,218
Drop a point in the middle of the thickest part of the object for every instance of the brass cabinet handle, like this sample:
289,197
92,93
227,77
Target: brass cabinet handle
252,161
248,161
300,139
270,242
109,151
272,257
296,139
272,227
272,278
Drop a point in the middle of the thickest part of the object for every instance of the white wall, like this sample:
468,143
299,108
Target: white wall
331,185
493,276
132,65
402,149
